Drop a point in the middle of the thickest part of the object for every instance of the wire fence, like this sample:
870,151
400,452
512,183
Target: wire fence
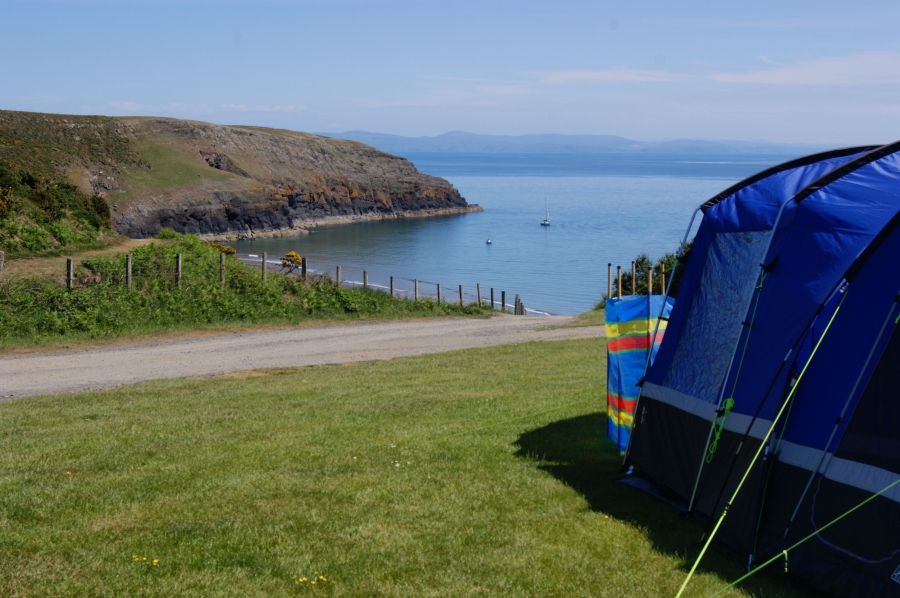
416,289
192,268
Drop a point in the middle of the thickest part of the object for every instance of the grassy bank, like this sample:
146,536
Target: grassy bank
38,309
480,472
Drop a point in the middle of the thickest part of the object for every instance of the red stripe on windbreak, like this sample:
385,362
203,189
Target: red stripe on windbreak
620,404
630,343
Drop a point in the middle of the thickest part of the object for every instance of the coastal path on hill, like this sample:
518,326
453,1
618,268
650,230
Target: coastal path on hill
107,367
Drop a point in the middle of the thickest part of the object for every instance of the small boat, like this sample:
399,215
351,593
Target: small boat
546,221
488,242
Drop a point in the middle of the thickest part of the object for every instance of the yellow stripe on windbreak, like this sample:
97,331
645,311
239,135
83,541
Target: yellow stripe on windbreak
633,327
623,328
619,417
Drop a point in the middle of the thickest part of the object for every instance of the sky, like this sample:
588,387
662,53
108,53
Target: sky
804,71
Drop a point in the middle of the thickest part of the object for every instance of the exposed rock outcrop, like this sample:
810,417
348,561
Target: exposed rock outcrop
224,181
279,181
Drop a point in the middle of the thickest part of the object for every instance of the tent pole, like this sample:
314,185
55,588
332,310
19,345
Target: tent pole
709,435
658,320
712,424
666,295
837,424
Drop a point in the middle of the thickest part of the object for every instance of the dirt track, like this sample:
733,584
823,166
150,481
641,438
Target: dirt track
94,369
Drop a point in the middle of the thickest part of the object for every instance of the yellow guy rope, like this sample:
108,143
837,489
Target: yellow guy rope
759,451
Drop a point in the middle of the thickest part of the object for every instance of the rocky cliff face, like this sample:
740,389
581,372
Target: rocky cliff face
227,181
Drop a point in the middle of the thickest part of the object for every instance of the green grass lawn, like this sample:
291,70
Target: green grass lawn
481,472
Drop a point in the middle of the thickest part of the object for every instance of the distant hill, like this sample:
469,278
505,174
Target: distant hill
458,141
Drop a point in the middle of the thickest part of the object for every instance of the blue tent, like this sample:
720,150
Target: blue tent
781,278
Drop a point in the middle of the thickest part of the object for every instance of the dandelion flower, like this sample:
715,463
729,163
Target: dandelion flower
155,561
134,557
313,582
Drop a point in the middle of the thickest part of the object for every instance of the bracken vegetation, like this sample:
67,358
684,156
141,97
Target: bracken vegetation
36,310
39,216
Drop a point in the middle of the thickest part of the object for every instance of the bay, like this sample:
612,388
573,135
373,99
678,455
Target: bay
604,208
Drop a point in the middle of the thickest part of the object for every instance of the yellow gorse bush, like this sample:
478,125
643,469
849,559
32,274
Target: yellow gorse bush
226,249
291,261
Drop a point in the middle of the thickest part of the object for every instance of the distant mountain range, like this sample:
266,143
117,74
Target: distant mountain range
461,142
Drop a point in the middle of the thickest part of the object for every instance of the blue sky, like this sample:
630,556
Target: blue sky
819,72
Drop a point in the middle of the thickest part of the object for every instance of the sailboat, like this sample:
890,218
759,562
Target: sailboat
546,221
488,242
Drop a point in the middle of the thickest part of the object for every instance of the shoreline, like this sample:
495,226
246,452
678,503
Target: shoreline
301,227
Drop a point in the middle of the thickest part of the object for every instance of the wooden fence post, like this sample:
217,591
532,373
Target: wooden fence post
303,268
460,296
222,270
337,276
608,280
439,293
69,267
392,286
478,289
178,269
662,278
650,280
492,297
502,300
518,304
128,271
365,279
633,279
619,282
265,256
416,289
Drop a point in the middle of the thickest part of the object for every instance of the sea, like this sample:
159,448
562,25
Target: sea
603,208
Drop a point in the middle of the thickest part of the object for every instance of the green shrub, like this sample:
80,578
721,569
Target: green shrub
642,264
166,234
102,306
39,215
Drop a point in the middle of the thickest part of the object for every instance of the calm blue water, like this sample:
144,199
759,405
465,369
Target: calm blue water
603,208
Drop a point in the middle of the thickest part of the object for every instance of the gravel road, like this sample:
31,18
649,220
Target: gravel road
108,367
